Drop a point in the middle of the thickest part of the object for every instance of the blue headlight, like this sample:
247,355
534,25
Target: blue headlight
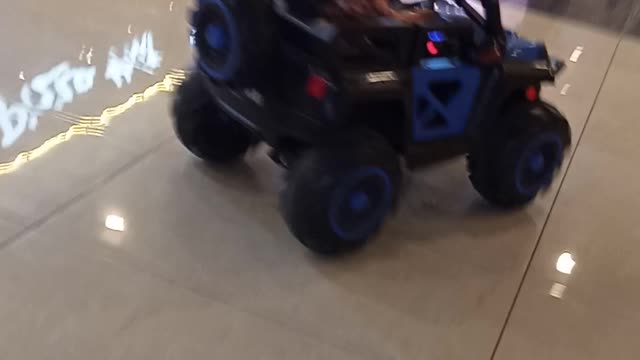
437,36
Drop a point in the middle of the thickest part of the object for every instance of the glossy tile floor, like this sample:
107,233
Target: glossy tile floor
205,269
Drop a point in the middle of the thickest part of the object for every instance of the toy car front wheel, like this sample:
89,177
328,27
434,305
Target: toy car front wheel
203,128
511,166
339,195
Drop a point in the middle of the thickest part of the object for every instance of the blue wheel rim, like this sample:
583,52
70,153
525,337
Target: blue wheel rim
359,204
217,37
221,40
538,163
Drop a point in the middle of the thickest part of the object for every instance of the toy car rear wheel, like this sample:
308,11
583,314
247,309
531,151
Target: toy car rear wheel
339,195
203,128
234,39
510,166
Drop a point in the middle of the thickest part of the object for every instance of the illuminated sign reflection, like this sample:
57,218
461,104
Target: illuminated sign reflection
139,54
88,125
60,85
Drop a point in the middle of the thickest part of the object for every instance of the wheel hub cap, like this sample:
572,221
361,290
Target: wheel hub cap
359,201
536,162
217,37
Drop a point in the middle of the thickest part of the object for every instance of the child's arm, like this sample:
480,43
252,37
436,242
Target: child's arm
360,8
411,16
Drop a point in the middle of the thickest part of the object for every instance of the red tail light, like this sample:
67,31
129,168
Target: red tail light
531,93
431,48
316,87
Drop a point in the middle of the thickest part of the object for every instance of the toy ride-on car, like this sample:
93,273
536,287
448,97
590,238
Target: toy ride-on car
341,101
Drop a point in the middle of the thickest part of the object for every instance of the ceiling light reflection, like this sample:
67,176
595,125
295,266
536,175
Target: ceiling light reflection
114,222
557,290
565,263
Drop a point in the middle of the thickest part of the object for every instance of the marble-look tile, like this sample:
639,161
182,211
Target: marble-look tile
7,230
37,188
64,65
206,268
611,15
595,219
60,303
445,268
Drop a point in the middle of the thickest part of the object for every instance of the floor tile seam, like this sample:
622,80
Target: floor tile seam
298,330
555,199
109,178
95,186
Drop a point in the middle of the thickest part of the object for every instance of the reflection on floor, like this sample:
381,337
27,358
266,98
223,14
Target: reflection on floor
611,15
122,246
93,125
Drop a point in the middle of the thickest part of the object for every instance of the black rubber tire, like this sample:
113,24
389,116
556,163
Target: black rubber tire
496,158
250,26
203,128
320,181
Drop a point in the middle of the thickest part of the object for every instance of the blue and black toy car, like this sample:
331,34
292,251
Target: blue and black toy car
342,101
